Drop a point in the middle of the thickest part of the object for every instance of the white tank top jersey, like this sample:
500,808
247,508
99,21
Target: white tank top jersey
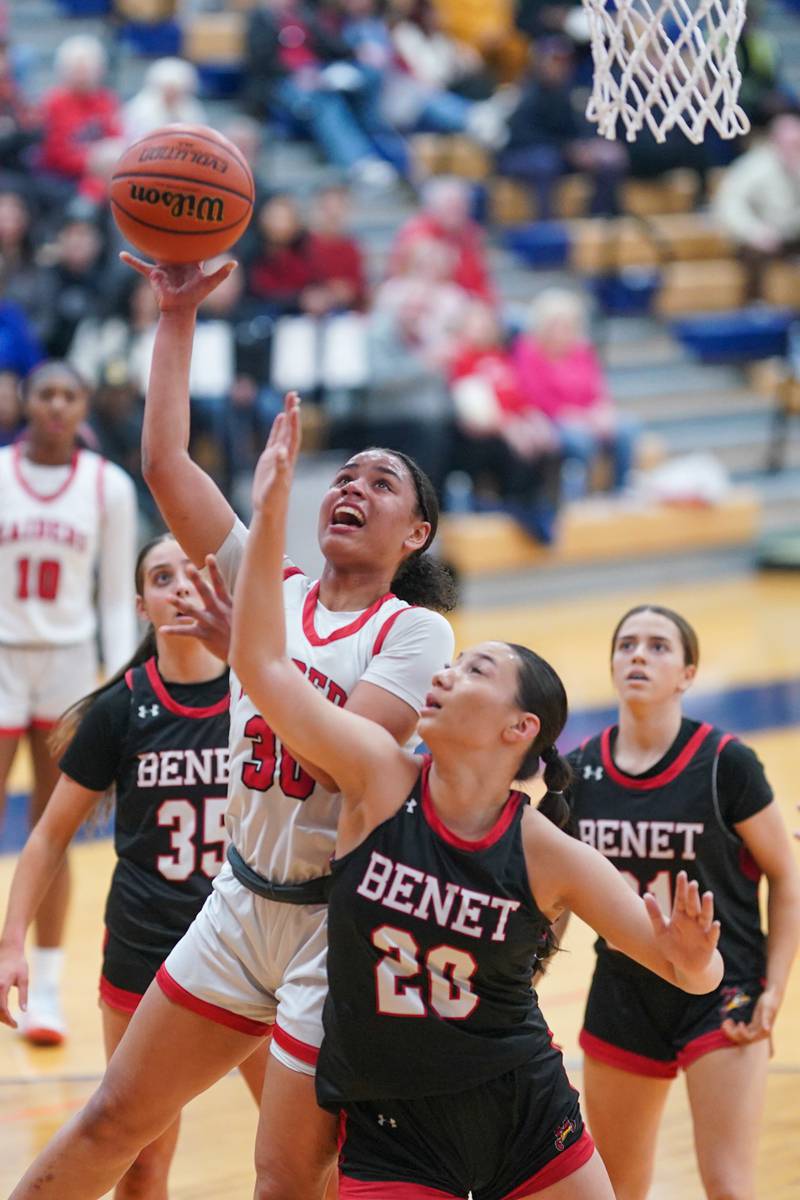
281,822
51,539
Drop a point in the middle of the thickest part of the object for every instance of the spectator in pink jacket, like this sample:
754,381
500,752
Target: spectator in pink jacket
561,376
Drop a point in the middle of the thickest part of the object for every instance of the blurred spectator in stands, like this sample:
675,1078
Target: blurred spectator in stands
758,201
489,29
336,254
560,377
118,346
168,95
21,278
20,349
764,93
498,435
423,303
11,418
281,268
19,121
445,217
81,120
75,283
548,138
543,18
298,65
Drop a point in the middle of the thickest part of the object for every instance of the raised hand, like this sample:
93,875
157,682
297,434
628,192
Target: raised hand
13,973
210,617
178,286
274,469
689,937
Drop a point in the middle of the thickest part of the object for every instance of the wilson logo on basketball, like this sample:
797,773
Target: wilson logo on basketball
181,204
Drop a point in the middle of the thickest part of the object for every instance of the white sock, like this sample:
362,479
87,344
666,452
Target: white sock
46,965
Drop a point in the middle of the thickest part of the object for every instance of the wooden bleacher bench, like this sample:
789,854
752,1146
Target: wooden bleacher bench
715,285
595,530
216,39
600,245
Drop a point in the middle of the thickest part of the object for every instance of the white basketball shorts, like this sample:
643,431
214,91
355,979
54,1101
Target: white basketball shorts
257,966
38,683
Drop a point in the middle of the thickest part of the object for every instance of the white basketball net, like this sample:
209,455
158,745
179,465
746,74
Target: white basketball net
666,63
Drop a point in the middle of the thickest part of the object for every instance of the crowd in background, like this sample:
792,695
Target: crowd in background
423,355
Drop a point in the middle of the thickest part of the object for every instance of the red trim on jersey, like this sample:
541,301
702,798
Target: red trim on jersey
212,1012
438,826
626,1060
43,723
700,1046
31,491
654,781
13,730
748,865
374,1189
129,678
386,628
310,604
288,572
182,710
723,741
292,1045
567,1163
118,998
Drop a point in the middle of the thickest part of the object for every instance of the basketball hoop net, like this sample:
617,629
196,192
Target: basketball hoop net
666,63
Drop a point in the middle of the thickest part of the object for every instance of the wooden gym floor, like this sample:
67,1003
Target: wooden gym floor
749,682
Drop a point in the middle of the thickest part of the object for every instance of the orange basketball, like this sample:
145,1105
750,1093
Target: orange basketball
182,194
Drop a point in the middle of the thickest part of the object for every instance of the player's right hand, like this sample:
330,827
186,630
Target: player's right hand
13,973
178,286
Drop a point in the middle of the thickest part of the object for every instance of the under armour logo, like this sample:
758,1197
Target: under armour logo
148,710
390,1121
590,772
411,805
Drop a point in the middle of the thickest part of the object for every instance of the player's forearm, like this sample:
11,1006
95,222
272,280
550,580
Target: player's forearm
165,432
36,867
783,915
699,982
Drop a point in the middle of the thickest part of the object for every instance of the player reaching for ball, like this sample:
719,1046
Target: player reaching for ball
436,1055
67,521
157,732
254,960
660,794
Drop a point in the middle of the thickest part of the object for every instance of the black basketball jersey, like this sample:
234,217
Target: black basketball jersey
654,825
432,944
169,823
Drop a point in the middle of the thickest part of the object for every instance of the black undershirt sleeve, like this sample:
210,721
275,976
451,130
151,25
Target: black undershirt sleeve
742,786
92,758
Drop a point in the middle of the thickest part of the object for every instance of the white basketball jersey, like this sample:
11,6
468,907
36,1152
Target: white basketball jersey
48,548
281,821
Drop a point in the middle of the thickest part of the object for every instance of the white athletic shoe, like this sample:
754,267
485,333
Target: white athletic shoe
43,1024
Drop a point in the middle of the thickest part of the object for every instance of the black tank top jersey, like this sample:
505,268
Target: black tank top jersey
654,825
432,946
171,795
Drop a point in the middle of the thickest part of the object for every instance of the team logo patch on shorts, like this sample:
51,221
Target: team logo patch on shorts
733,998
562,1133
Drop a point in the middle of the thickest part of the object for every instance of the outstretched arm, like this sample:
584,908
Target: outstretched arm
567,874
190,502
69,805
352,749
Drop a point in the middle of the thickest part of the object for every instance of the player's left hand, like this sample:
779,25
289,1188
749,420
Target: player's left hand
689,937
760,1025
210,617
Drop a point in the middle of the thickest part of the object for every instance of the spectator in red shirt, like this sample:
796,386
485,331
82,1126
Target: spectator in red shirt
282,268
498,434
445,216
336,254
561,377
81,118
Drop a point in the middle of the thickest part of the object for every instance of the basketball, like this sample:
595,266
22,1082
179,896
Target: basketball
182,194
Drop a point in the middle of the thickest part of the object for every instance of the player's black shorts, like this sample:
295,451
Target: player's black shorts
128,970
640,1023
509,1137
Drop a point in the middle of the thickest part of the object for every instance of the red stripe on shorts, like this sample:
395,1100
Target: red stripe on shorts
567,1162
626,1060
118,998
212,1012
699,1046
292,1045
373,1189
